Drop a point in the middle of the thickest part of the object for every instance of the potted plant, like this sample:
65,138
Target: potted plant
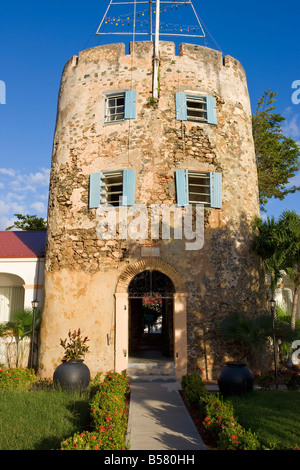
73,373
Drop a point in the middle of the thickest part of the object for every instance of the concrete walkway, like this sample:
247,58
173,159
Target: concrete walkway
159,420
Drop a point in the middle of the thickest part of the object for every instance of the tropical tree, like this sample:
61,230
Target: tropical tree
289,226
254,333
277,156
278,244
28,223
271,245
20,326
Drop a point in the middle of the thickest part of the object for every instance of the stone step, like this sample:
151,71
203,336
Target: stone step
152,365
152,378
151,371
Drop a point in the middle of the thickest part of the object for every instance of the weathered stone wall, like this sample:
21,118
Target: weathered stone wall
81,270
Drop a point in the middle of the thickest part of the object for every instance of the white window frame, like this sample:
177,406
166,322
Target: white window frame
115,115
202,109
110,189
199,191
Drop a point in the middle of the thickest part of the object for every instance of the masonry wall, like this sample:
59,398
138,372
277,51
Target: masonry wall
82,271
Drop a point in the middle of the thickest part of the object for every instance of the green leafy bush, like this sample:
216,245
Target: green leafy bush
218,416
293,383
237,438
266,380
109,417
194,388
17,378
103,439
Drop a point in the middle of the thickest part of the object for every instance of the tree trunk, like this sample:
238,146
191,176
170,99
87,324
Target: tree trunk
294,308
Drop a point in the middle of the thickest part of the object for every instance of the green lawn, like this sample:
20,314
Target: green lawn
40,420
273,415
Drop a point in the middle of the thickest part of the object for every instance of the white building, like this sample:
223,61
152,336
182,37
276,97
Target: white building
21,276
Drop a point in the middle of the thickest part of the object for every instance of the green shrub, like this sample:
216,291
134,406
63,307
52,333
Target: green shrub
17,379
218,416
194,388
237,438
293,383
266,380
109,416
104,439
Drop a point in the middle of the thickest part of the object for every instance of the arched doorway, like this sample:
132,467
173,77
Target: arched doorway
151,333
122,306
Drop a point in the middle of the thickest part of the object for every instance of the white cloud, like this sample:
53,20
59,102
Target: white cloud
38,207
31,182
7,171
291,125
295,181
26,194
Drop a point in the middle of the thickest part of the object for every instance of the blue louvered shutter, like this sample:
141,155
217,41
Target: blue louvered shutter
211,110
130,104
216,190
182,187
128,197
94,192
180,104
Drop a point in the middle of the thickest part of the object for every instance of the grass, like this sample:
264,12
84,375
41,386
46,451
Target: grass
40,420
273,415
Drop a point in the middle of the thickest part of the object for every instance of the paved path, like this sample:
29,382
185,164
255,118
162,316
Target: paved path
159,420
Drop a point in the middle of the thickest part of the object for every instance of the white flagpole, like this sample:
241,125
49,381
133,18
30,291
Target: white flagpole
156,51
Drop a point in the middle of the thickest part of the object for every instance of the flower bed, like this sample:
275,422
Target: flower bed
218,417
108,418
16,378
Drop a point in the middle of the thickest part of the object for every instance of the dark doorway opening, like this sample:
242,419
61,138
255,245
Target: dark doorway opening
151,315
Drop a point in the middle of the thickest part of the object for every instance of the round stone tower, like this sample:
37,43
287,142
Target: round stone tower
120,159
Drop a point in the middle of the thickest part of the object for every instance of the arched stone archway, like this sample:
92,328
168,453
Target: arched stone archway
179,313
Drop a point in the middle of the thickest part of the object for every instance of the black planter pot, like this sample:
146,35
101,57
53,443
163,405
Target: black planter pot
235,379
72,375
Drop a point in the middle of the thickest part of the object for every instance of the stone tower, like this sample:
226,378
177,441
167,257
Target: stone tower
114,145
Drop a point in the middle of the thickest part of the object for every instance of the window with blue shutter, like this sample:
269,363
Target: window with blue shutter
198,187
216,190
195,108
94,193
120,106
180,104
130,104
182,187
211,110
112,188
128,196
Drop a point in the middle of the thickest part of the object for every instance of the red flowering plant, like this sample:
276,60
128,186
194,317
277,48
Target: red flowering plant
218,415
75,345
105,439
109,405
109,417
238,439
16,378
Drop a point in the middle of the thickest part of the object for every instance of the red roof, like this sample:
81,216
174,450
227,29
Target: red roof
21,244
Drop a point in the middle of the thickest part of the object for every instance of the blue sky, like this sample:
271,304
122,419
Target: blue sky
38,37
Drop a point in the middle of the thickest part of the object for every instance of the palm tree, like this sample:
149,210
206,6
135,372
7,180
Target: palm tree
20,326
254,333
271,245
290,227
278,244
